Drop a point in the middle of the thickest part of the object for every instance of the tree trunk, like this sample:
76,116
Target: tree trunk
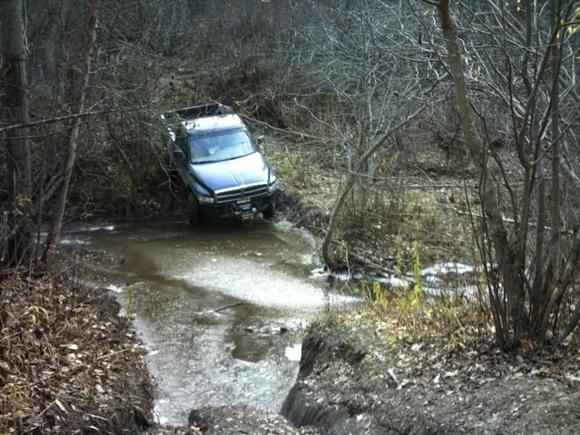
55,229
342,195
16,111
555,246
511,270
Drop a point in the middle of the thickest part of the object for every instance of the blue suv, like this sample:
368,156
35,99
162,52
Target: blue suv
220,163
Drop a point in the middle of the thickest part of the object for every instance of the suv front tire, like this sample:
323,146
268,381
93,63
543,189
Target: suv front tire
268,213
193,210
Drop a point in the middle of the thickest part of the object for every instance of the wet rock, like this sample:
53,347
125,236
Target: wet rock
141,418
195,418
430,167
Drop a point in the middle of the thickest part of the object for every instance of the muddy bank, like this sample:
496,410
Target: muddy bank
292,204
353,381
68,362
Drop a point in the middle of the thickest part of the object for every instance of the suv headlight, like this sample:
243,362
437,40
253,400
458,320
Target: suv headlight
205,199
272,186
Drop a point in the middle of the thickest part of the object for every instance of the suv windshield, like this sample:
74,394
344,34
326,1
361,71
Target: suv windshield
220,145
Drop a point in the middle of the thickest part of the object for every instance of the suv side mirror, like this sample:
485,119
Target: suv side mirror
260,140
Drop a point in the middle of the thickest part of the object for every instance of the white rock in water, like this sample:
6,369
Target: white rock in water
293,353
115,288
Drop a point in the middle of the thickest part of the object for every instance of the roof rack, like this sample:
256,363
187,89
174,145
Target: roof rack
203,110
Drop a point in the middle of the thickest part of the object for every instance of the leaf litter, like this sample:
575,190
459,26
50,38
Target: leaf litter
68,363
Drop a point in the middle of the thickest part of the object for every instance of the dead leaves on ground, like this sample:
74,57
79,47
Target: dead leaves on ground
66,360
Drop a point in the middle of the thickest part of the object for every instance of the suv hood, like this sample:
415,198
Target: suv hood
249,169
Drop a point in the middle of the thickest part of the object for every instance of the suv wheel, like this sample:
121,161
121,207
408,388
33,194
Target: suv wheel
193,210
269,212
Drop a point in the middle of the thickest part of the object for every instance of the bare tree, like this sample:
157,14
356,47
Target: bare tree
366,62
530,278
83,81
16,111
348,185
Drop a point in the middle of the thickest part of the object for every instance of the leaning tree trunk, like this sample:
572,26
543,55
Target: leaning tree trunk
343,194
55,229
510,268
15,104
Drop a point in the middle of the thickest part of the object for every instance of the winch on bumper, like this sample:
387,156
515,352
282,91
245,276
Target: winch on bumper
244,203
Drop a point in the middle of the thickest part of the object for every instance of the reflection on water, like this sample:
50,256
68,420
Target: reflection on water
219,308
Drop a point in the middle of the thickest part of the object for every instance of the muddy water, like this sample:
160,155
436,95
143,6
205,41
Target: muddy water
219,309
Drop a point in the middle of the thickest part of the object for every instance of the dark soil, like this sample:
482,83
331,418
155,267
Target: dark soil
353,381
68,363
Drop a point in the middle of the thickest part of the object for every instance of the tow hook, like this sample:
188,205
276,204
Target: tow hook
245,211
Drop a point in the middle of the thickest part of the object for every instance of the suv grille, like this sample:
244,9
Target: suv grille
237,193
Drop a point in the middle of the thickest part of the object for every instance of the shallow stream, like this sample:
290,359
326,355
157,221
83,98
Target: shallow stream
219,308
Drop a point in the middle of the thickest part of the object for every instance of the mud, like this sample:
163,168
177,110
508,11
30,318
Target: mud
353,381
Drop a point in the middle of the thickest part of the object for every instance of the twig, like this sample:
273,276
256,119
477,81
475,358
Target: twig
10,271
479,216
112,354
300,134
50,405
237,304
63,118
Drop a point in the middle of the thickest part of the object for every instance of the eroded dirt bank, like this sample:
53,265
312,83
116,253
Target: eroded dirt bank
353,381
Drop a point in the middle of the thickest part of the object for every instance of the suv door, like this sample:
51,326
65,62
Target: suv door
180,155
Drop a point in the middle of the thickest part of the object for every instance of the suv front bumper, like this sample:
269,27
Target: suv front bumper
241,209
